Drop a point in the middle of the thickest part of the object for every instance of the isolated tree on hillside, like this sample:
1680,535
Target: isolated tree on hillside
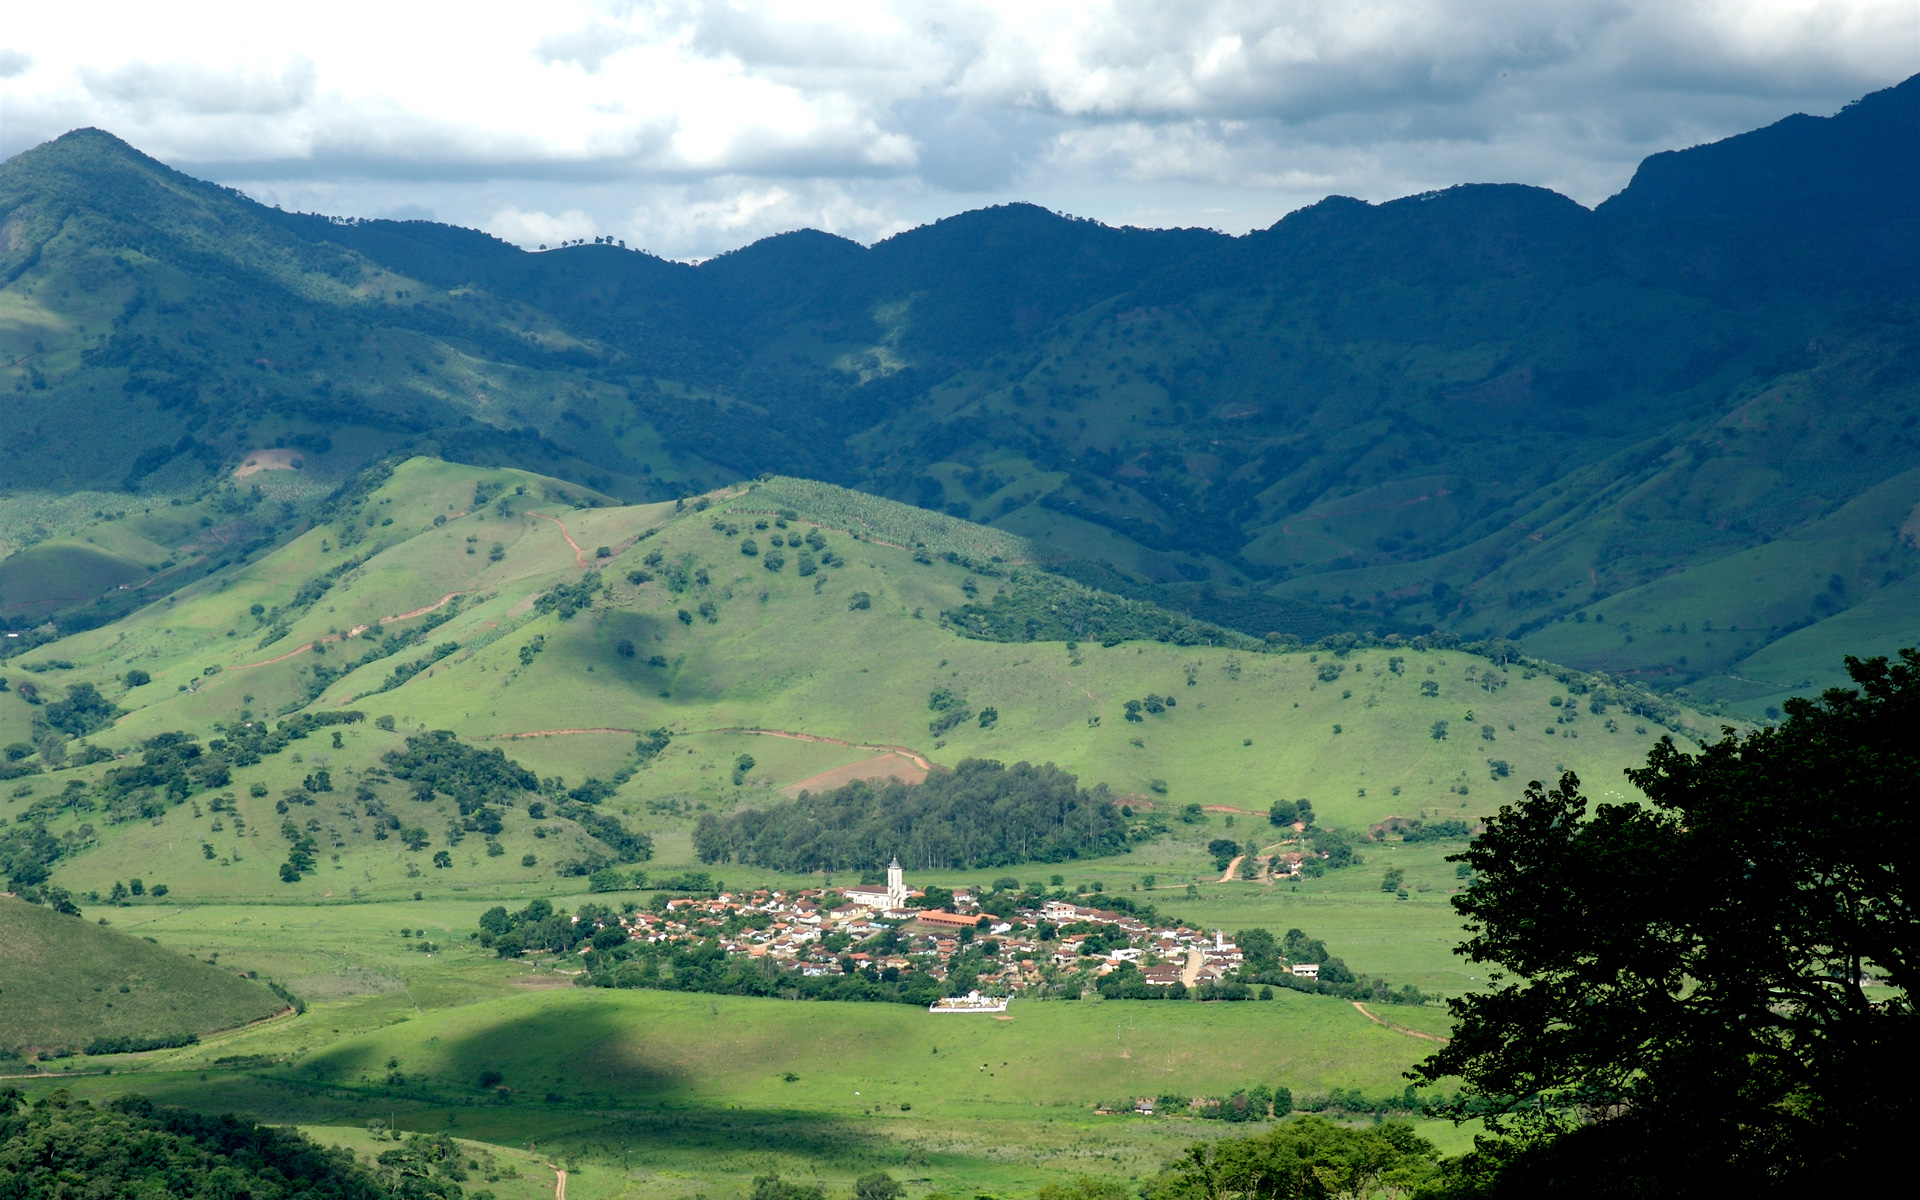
1692,974
878,1186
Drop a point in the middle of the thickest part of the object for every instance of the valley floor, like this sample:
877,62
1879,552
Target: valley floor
660,1094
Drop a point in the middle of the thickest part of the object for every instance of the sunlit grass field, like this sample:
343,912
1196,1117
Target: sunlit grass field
669,1095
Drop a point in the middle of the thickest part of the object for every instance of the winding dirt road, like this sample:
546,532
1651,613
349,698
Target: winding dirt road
579,555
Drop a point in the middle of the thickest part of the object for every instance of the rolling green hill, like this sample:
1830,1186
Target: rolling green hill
1485,410
67,984
871,638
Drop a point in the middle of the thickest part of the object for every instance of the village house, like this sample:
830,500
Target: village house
788,927
942,919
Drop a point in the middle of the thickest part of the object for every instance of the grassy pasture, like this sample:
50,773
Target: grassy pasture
687,1094
65,981
1364,736
657,1094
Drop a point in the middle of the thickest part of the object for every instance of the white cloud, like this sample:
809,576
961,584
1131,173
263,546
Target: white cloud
540,228
730,114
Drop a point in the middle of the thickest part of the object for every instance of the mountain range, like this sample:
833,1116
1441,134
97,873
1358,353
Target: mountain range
1672,437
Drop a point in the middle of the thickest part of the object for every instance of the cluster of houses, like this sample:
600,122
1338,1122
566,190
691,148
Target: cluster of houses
819,931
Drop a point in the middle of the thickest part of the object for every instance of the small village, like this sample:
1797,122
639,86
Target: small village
888,931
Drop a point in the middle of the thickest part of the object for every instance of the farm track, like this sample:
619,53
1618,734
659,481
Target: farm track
918,759
1397,1028
579,555
356,631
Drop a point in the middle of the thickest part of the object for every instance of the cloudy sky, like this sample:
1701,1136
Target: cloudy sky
689,128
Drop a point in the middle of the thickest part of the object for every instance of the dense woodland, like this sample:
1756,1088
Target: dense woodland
981,814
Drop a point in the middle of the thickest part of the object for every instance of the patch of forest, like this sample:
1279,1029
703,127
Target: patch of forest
982,814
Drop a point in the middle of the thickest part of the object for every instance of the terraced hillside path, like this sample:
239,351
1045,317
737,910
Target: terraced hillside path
1233,867
356,631
918,759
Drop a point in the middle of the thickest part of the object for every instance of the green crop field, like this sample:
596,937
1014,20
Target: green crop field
65,981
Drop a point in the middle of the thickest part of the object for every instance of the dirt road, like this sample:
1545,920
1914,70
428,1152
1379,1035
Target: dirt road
356,631
1431,1037
579,556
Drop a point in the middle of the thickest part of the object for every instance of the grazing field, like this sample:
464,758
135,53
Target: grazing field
848,658
65,982
695,678
662,1094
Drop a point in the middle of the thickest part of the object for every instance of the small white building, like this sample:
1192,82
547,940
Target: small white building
1306,970
891,898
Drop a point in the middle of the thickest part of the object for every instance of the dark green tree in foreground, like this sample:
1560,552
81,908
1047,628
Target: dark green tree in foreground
1710,994
61,1147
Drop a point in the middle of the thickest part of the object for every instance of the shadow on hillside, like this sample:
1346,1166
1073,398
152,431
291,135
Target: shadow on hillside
581,1074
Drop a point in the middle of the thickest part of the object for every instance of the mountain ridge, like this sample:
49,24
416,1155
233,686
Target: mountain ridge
1381,412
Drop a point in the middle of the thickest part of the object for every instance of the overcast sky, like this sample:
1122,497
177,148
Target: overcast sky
690,128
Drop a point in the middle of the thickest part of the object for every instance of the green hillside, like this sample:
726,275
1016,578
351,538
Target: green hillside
1485,410
67,984
451,597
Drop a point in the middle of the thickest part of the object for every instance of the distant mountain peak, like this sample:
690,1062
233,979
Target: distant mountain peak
1859,167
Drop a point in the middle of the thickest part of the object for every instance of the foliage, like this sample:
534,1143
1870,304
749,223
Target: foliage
1305,1157
125,1044
246,744
628,846
1039,607
132,1147
83,711
981,814
651,743
1693,972
438,761
707,967
565,599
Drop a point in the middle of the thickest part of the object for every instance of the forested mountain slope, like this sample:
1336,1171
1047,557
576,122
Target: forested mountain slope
1485,409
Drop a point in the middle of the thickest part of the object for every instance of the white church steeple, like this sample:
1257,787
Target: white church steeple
896,885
